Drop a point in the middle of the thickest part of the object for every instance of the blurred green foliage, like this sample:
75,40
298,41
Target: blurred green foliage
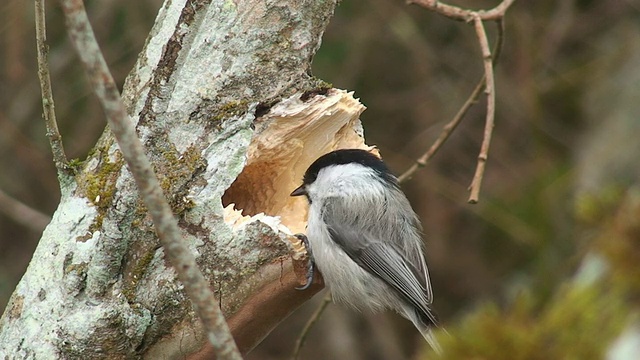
578,323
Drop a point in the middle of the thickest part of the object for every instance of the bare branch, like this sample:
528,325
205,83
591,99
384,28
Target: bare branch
445,133
486,83
451,125
196,286
23,214
55,139
310,323
458,13
474,188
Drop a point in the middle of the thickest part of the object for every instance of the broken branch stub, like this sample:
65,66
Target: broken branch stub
286,141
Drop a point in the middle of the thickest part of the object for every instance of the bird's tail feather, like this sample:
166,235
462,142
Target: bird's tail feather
427,333
425,324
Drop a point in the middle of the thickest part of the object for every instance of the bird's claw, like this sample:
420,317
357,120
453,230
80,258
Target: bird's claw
310,264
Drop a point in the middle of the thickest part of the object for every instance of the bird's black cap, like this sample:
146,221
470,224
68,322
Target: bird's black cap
347,156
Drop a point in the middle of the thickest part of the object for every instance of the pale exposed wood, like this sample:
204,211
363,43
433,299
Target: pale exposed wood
287,140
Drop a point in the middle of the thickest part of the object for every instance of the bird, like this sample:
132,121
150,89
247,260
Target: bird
365,239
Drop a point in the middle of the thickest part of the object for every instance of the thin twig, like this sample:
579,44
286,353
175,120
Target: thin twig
474,188
486,83
55,139
22,213
458,13
310,323
445,133
451,125
195,285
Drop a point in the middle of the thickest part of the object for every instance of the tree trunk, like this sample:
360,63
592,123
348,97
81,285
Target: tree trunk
228,112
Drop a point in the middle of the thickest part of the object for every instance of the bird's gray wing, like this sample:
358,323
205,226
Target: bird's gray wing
380,258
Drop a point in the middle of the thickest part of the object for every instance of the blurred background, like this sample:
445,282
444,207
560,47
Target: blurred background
561,184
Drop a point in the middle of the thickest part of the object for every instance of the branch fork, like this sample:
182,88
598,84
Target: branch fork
486,84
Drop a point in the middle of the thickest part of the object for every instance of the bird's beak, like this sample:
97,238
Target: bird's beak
299,191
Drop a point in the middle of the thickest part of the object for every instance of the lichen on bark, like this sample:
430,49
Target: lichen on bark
212,79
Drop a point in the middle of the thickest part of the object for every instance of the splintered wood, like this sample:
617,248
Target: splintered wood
286,141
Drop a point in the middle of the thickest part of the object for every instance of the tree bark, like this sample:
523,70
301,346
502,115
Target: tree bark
225,105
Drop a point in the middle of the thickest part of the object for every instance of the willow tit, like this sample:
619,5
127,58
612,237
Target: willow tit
364,237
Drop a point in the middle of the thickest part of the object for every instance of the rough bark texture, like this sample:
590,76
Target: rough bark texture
218,85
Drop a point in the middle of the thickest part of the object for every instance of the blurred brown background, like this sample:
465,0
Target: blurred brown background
567,126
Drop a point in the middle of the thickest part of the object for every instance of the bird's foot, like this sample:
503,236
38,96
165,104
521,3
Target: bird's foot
310,264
